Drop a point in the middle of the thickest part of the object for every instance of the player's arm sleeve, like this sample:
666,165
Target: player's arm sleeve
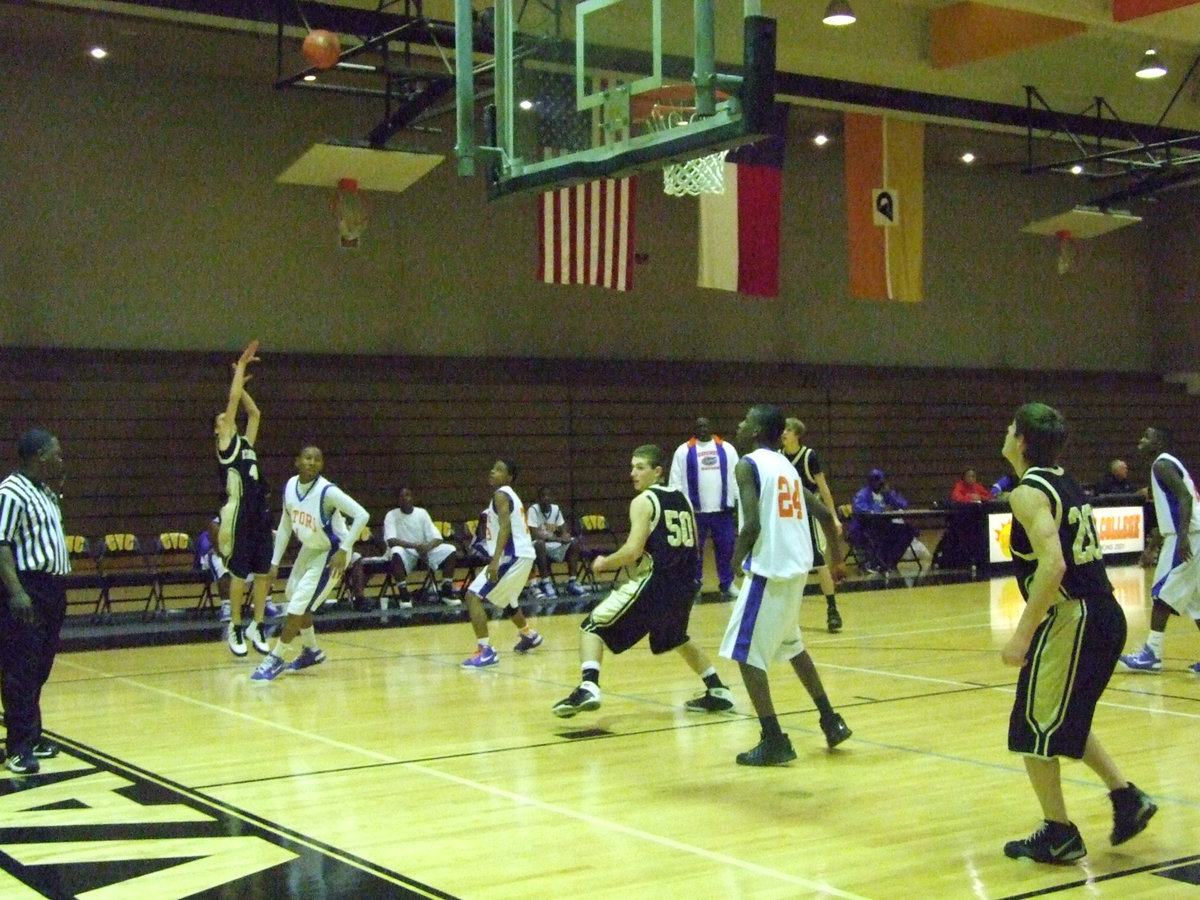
350,508
283,534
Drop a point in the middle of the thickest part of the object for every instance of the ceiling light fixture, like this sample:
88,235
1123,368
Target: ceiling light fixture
821,140
968,157
1077,169
97,53
838,12
1151,66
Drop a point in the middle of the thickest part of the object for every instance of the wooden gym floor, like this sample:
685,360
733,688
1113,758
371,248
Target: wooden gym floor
390,772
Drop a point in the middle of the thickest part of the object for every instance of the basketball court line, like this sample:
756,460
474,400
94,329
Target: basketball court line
592,821
823,888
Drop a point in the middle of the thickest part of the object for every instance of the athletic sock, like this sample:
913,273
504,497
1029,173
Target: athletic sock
308,637
824,707
711,679
591,673
770,726
1155,642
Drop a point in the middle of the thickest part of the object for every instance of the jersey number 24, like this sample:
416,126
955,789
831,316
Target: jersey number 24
790,498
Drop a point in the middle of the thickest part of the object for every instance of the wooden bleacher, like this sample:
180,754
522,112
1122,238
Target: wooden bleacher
136,428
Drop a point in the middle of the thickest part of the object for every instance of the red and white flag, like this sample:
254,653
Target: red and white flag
739,229
586,234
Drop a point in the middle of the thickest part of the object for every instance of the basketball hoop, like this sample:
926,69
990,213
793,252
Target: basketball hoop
1067,246
350,213
675,107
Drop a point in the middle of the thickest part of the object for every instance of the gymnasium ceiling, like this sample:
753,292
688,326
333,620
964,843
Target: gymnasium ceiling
1072,51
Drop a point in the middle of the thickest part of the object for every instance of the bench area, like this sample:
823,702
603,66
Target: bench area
136,427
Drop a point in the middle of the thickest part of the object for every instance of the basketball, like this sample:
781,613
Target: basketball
321,48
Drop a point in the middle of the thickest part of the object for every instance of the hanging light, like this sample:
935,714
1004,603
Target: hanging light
1151,66
838,12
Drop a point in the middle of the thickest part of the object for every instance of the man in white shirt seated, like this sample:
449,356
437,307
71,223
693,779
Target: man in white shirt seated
552,541
412,540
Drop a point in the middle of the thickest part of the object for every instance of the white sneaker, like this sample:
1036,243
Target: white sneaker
255,636
549,590
237,640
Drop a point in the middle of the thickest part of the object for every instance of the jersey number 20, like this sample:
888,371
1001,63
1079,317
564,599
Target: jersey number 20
1086,546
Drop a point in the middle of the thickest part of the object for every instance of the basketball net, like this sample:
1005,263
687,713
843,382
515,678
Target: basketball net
703,175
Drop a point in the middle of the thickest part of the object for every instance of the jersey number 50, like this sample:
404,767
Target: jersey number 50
790,498
681,528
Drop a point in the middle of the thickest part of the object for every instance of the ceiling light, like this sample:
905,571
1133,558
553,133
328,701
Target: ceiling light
97,53
838,12
821,140
968,157
310,77
526,104
1077,169
1151,66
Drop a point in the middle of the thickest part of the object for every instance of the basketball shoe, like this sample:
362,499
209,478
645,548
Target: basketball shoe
253,634
527,642
833,619
1142,661
770,751
835,729
1132,810
309,656
237,640
268,668
584,698
1053,842
719,699
484,657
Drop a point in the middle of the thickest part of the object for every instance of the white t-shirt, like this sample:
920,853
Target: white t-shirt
415,527
552,520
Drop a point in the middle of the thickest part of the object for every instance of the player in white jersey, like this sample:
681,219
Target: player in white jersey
315,511
774,547
1176,587
510,546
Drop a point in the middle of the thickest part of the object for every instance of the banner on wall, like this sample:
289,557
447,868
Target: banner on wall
1121,529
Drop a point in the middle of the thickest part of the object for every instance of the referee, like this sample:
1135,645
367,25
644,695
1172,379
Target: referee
33,601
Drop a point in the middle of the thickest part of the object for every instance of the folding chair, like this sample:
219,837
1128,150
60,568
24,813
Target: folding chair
596,539
85,578
123,566
176,565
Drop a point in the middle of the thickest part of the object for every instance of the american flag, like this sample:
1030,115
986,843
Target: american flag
586,234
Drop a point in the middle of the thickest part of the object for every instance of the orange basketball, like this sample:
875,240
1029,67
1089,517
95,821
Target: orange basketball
321,48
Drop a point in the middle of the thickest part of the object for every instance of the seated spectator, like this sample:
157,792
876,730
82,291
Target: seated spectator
965,543
883,540
968,489
552,541
412,540
355,578
1117,480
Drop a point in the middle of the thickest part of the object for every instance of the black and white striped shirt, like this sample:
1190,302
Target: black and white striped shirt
31,524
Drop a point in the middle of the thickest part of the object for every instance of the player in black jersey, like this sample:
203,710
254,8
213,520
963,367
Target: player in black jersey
244,538
808,466
658,601
1066,641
